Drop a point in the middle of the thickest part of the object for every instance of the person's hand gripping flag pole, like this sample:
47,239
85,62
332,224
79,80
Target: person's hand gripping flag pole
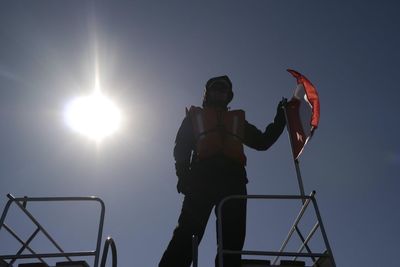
302,114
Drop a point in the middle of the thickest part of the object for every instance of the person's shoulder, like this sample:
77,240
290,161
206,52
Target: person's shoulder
193,109
238,111
190,111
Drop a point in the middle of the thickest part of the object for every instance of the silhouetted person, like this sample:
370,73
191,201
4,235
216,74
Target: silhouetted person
210,165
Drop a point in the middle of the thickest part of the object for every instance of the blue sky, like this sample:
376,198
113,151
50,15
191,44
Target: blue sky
154,58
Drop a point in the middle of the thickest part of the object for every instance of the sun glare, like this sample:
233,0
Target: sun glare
94,116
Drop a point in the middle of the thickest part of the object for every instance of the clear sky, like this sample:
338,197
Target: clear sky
154,58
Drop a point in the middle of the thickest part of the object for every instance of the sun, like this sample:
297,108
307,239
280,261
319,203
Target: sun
94,116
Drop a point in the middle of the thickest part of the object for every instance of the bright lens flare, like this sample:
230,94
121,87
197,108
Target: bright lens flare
94,116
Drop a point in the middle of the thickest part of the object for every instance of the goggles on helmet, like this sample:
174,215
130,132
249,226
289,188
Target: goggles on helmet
220,86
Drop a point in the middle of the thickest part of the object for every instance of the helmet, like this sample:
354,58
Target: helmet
218,83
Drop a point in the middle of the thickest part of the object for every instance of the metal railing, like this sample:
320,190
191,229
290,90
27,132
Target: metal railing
109,243
22,203
306,200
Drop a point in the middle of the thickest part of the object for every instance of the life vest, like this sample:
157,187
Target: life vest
218,132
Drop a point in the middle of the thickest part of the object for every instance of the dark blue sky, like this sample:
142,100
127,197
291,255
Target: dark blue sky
154,58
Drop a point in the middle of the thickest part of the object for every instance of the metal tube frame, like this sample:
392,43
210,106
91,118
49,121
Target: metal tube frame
304,242
25,245
295,223
12,232
308,238
307,199
24,200
40,228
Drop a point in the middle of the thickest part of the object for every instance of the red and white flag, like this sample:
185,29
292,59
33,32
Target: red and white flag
302,113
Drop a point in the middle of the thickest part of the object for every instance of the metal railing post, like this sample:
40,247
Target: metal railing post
109,242
3,215
195,250
325,237
100,233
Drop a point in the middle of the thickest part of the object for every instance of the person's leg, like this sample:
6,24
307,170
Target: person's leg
192,221
233,228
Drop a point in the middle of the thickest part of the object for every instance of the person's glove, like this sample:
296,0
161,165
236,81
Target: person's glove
282,104
183,174
182,185
280,114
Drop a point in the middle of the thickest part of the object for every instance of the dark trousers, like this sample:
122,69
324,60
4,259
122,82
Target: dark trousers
196,210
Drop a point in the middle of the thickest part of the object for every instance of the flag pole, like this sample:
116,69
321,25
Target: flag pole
299,179
296,161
